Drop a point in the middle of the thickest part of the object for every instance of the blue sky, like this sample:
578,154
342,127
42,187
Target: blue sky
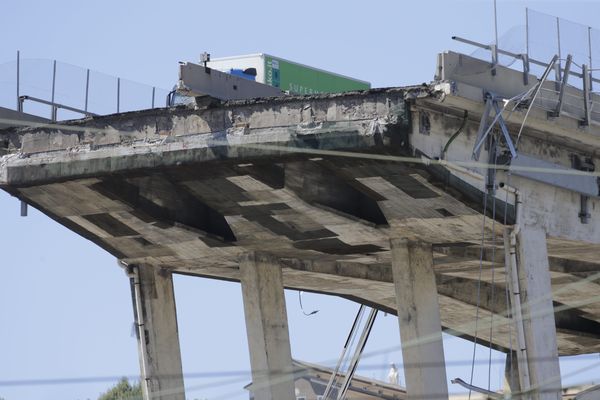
65,305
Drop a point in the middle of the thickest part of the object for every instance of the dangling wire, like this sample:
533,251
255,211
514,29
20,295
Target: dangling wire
302,308
493,265
485,204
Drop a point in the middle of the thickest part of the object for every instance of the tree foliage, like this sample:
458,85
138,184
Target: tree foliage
123,390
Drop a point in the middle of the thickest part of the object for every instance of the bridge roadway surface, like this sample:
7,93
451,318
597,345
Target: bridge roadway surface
191,190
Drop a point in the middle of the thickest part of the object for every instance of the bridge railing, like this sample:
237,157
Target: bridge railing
530,48
60,91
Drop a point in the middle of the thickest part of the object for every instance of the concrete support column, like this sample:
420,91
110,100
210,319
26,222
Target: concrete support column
538,313
267,327
158,337
419,319
511,373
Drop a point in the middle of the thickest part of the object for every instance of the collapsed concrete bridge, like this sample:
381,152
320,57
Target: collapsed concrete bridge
373,196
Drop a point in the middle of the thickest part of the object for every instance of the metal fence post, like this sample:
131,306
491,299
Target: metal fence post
527,31
590,56
118,94
494,49
525,59
19,108
87,88
563,86
153,94
557,68
586,95
53,109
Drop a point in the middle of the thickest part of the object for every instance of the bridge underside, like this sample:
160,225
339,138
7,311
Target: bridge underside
329,221
193,190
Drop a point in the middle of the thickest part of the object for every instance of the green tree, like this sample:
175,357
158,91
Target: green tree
123,390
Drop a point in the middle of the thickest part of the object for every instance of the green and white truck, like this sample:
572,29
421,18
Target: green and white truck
286,75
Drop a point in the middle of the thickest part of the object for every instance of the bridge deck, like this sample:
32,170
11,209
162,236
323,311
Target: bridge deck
191,190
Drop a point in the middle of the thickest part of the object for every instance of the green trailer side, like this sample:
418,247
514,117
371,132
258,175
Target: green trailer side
300,79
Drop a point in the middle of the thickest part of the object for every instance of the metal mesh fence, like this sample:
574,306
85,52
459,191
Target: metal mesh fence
72,86
511,41
532,46
543,36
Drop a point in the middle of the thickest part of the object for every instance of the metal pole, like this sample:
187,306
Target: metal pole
53,109
525,59
558,67
527,31
590,56
586,95
563,87
118,93
495,47
87,89
56,105
362,341
18,80
153,93
495,23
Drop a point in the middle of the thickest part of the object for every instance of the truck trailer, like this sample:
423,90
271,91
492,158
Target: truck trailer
288,76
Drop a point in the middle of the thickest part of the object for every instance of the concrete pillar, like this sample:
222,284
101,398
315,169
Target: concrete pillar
267,327
538,313
419,319
511,373
158,337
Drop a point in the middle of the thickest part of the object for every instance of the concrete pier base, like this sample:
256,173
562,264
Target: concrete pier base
267,327
419,319
157,332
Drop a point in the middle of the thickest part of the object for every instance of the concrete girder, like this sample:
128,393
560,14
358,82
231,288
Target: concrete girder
350,283
493,298
237,131
321,183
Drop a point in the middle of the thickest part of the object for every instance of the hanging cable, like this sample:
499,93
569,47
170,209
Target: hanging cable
485,199
493,191
455,135
302,307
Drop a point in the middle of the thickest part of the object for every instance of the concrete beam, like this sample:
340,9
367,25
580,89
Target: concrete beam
236,130
538,315
267,327
158,336
419,319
